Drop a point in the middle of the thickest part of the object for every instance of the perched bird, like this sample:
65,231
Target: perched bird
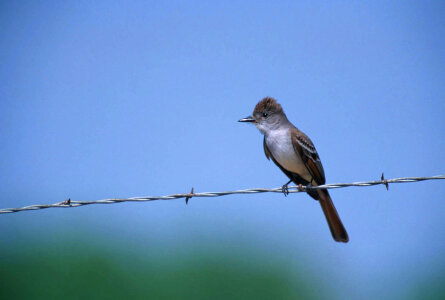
294,153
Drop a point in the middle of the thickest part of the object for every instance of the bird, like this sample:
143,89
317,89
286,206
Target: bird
295,154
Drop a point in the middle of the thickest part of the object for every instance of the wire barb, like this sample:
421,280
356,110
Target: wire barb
189,196
384,181
65,202
292,189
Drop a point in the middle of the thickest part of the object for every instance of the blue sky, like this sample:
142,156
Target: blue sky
121,99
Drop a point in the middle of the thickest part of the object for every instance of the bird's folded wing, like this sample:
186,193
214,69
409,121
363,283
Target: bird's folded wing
306,149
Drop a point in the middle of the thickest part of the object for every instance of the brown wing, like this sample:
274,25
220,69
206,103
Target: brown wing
304,146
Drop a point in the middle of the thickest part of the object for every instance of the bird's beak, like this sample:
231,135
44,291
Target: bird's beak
247,119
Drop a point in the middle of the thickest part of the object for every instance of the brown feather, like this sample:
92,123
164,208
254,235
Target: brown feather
266,105
306,149
338,231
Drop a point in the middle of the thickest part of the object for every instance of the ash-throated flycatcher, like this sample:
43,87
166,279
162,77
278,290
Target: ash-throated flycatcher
294,153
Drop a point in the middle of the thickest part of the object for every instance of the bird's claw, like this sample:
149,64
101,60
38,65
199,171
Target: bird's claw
285,189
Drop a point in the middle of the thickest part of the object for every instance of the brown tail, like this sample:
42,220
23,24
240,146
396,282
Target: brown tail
335,225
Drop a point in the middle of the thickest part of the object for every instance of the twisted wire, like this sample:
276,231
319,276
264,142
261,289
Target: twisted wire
292,189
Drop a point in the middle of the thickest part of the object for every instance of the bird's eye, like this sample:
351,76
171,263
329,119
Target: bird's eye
265,115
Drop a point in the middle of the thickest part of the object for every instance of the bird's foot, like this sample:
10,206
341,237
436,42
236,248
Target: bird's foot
285,189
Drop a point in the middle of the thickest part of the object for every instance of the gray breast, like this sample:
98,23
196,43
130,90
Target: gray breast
280,145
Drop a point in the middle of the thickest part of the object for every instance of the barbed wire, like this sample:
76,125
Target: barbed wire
292,189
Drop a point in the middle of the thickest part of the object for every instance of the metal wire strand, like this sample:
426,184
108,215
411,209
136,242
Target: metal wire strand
292,189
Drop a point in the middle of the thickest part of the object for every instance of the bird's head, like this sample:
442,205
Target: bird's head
267,115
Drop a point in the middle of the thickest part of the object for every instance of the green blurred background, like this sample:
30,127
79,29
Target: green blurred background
78,268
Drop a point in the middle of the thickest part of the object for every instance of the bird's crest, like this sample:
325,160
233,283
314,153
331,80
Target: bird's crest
268,104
